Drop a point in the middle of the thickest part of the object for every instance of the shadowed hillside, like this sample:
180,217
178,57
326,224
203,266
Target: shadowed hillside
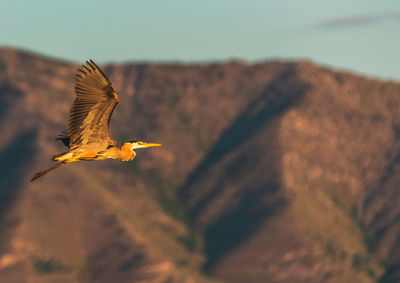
237,144
277,170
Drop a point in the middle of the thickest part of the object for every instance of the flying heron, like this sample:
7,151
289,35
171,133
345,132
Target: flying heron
88,136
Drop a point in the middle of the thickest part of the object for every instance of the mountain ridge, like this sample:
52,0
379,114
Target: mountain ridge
279,170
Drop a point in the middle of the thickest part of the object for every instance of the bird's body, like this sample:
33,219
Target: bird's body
88,136
123,153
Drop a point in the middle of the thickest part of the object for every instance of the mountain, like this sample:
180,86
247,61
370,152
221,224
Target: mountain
269,172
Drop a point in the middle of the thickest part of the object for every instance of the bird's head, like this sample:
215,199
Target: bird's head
139,144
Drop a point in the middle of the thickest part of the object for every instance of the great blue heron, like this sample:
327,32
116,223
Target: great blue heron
88,136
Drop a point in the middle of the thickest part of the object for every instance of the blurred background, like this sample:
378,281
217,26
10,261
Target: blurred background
280,127
358,35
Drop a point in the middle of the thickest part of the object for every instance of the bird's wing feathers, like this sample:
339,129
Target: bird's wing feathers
91,111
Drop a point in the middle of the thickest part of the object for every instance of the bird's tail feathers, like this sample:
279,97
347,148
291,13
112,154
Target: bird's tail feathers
62,156
64,138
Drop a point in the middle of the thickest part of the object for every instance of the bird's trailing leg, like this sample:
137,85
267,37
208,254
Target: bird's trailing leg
41,173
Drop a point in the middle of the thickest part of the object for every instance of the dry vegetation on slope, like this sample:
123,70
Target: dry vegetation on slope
278,170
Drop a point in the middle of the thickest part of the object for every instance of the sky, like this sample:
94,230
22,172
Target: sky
357,35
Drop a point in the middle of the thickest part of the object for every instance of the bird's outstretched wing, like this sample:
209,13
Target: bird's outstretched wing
90,114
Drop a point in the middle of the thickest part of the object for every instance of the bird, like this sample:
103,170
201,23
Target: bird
88,136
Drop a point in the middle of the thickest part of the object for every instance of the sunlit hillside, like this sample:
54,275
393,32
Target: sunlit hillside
269,172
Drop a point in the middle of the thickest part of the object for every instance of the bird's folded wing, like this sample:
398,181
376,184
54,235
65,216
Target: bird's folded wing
91,111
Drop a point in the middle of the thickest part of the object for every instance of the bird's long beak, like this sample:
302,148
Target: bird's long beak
141,144
146,144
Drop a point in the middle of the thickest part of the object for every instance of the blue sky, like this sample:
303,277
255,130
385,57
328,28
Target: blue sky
360,35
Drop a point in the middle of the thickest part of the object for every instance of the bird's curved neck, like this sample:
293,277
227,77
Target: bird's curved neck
126,153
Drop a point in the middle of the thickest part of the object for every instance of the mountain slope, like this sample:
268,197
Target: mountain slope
281,194
278,170
77,225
